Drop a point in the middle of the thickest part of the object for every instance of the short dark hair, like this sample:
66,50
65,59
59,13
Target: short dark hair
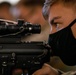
4,4
33,2
49,3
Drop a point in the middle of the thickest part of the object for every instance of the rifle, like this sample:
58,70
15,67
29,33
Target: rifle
16,54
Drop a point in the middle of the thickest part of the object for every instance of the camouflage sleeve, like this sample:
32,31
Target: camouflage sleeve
67,73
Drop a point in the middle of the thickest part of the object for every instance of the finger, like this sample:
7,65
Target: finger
38,72
46,70
46,65
50,69
43,71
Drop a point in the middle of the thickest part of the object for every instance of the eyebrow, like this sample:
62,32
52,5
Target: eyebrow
55,18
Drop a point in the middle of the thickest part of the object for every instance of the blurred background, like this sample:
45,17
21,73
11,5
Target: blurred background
31,11
13,2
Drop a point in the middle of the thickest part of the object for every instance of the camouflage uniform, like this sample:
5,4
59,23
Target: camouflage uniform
70,73
67,73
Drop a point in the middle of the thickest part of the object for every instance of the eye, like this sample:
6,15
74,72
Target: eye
57,25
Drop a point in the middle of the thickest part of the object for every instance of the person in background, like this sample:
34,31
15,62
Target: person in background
61,15
5,11
31,11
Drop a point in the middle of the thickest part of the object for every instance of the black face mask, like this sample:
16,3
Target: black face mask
63,44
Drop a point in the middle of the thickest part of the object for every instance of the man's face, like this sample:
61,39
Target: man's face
60,17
